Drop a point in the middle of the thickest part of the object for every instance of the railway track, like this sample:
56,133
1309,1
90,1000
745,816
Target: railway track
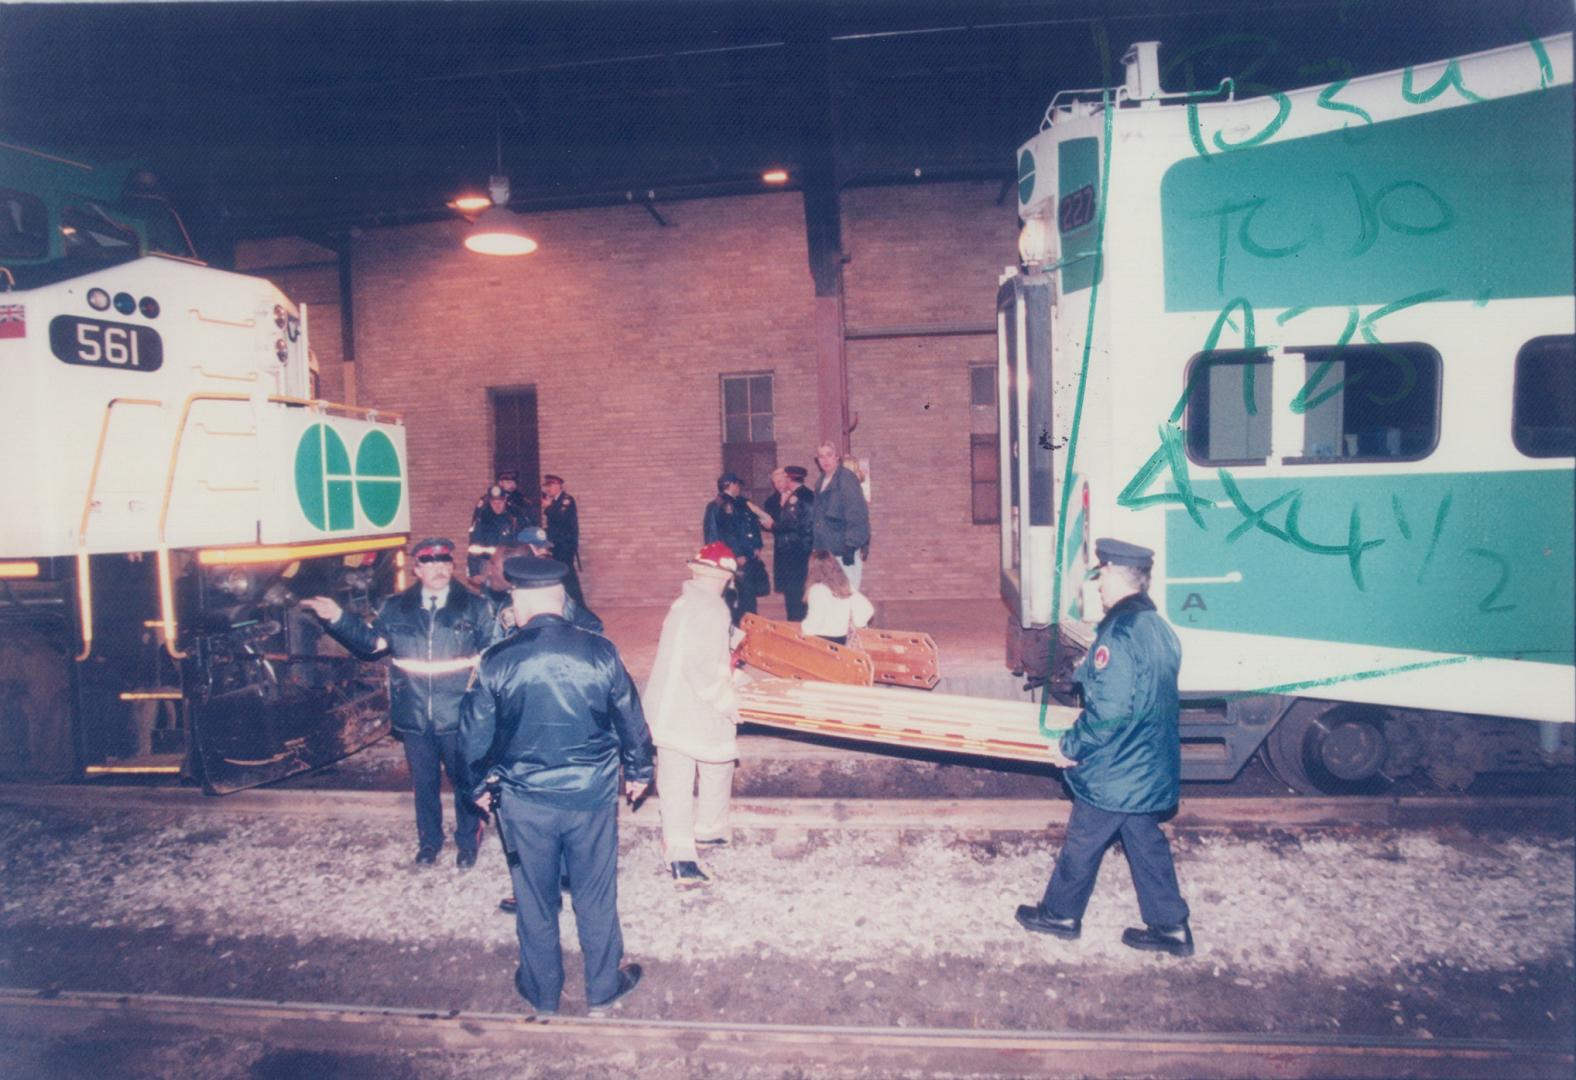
673,1047
961,815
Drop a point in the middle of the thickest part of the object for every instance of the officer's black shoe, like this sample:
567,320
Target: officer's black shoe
508,905
1176,940
464,860
720,841
426,856
535,1007
628,979
687,875
1033,917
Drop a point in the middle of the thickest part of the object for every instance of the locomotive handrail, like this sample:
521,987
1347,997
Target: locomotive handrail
84,576
167,617
355,412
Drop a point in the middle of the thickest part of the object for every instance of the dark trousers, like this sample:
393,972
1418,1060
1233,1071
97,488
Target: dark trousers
1090,831
572,583
545,841
429,755
790,571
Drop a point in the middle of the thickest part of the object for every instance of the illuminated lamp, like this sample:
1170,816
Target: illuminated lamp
497,230
470,204
1037,241
775,176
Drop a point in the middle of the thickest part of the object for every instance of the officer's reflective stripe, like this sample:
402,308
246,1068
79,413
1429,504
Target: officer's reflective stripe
438,667
477,549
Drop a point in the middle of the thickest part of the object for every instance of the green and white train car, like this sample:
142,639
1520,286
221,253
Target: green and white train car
171,486
1316,349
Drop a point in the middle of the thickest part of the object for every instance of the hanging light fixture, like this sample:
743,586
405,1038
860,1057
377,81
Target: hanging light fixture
496,230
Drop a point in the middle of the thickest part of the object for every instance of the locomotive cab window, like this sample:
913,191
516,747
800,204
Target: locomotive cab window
1543,423
1368,403
90,233
1228,408
24,226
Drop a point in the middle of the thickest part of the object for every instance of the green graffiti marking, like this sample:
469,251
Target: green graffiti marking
1486,605
1433,543
1451,77
1327,101
1109,111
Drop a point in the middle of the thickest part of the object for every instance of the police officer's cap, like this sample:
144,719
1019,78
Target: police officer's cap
436,547
796,473
551,479
533,572
534,535
496,492
728,478
1111,552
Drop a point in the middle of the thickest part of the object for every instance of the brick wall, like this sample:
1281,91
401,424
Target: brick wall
624,327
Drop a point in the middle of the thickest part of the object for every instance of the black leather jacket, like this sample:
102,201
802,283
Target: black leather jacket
554,713
433,658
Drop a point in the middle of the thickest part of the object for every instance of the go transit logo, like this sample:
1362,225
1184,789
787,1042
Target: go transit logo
328,488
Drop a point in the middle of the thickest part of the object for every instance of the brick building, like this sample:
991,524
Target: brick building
633,340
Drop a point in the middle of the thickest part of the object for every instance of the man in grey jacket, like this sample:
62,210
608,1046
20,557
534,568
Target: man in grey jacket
840,522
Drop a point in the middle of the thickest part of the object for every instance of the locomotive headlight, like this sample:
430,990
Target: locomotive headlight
98,299
125,303
236,582
1037,241
149,307
279,316
280,351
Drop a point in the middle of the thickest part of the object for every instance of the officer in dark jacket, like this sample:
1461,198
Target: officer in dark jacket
790,508
561,519
492,524
1123,763
435,632
526,511
731,519
550,719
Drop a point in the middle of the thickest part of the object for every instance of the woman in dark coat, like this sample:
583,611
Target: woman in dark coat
731,519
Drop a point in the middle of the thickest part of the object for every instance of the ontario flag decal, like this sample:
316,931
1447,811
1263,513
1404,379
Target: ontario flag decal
13,320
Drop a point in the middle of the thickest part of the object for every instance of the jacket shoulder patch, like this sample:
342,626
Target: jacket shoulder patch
1102,657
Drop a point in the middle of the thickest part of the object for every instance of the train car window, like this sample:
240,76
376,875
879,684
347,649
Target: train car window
90,233
24,226
1228,408
1543,423
1368,403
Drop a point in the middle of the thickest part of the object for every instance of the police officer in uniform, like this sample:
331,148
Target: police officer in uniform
733,520
491,525
1122,762
551,718
525,511
791,508
435,631
561,519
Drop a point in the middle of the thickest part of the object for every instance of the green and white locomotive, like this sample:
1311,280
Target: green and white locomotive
1316,349
170,486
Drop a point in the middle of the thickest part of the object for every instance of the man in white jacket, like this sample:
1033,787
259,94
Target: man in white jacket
693,714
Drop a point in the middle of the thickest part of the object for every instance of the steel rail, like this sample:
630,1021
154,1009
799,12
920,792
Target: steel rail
959,815
30,1014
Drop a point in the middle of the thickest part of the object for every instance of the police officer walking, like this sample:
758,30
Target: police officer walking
436,631
550,719
1122,762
